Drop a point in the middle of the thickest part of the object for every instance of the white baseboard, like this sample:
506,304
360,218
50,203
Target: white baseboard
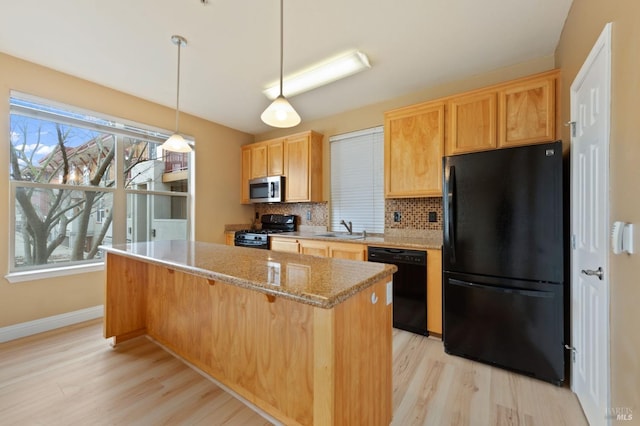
29,328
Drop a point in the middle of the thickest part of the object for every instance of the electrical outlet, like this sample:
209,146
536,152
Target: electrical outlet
308,214
257,215
433,217
397,216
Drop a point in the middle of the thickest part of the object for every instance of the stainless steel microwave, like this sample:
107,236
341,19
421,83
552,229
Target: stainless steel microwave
267,190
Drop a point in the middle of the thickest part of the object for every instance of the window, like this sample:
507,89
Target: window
357,172
79,180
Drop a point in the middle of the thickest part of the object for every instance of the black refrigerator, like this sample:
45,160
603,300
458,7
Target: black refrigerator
503,266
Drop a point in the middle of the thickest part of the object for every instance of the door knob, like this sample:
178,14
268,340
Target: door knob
598,272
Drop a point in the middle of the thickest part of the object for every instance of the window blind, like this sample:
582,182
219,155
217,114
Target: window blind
357,173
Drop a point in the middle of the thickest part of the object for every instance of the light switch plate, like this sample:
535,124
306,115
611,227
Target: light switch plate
389,292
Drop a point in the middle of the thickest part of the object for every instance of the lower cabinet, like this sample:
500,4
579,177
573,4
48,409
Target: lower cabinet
337,250
230,238
356,251
288,245
334,250
348,251
434,291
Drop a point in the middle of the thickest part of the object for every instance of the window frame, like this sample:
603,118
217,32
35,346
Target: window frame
378,217
121,129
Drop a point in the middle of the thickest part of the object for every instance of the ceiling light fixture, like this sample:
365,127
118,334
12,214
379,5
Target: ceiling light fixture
176,142
280,113
322,73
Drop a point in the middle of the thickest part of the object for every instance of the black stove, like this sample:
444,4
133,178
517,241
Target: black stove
271,224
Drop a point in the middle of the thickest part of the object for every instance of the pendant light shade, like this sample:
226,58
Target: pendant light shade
280,113
176,142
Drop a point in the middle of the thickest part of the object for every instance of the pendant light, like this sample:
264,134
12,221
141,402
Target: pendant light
280,113
176,142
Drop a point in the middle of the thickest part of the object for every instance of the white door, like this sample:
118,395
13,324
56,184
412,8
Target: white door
590,111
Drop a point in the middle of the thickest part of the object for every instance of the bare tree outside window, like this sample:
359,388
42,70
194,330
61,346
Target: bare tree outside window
64,178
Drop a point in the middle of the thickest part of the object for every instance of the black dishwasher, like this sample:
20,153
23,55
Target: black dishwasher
409,286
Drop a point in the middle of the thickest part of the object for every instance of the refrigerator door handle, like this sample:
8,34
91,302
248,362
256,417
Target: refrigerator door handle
451,205
530,293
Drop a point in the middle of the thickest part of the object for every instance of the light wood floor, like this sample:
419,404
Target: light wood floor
72,376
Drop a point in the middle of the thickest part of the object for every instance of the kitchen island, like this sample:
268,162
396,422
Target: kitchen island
304,338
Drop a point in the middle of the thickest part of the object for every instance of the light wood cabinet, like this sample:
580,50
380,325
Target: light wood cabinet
527,112
258,161
275,158
434,291
349,251
336,250
297,157
267,158
518,112
246,174
230,238
314,247
303,167
472,123
288,245
413,150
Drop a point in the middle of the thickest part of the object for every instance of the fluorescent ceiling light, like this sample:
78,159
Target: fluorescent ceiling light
320,74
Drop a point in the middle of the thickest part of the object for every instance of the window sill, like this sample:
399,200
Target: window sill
18,277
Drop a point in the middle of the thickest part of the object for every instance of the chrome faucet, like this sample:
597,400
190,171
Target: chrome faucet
347,225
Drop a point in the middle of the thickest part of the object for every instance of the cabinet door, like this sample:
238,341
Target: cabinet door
275,158
347,251
316,248
297,182
413,149
258,161
246,174
527,112
230,238
472,123
284,244
434,291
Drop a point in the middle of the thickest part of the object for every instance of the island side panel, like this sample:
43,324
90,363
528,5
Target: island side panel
179,314
363,358
125,297
260,347
324,383
284,348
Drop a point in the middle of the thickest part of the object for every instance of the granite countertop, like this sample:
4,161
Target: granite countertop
425,240
313,280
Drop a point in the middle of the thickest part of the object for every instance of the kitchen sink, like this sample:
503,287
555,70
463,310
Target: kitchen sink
354,236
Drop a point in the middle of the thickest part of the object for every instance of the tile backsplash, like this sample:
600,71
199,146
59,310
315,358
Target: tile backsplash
414,213
319,212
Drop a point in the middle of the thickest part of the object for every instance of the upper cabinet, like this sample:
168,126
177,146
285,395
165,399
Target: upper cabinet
267,159
297,157
413,149
258,161
527,111
519,112
246,173
275,158
303,167
472,123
